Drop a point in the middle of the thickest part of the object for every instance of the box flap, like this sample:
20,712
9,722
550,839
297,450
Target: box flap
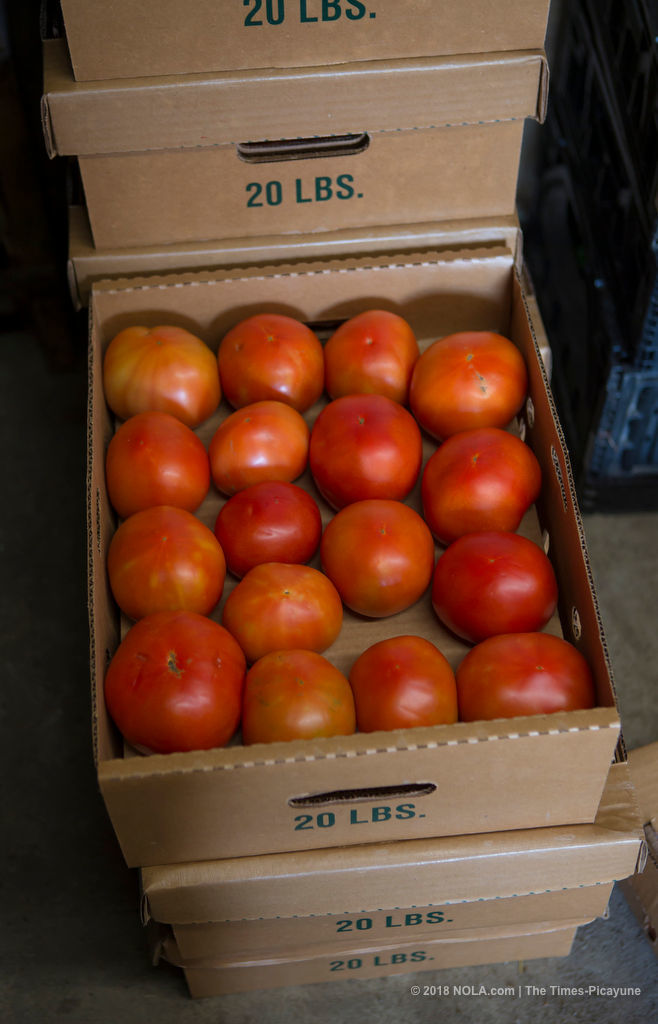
643,763
136,115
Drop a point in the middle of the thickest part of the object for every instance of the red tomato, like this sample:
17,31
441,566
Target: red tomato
403,682
373,352
273,521
364,446
175,683
493,582
163,369
165,559
379,554
466,380
523,674
269,356
263,441
154,459
482,479
277,606
295,694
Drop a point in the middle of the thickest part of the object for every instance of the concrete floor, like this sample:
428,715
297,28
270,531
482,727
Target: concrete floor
72,945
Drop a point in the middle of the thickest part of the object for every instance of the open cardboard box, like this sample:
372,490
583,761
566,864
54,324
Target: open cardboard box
490,945
450,780
163,37
641,889
382,894
248,154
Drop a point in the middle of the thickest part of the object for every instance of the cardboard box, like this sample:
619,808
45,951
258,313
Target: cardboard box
124,39
641,889
174,160
206,978
449,780
385,893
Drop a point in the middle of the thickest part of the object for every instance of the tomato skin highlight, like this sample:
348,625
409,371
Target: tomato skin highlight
295,694
175,684
481,479
364,446
269,356
467,380
272,521
279,606
401,683
262,441
493,582
154,459
523,674
373,352
165,559
379,554
162,369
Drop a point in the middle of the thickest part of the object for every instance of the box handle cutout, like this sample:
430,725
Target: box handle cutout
272,150
337,796
558,472
576,627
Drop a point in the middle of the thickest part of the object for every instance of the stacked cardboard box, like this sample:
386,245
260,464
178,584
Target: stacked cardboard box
496,819
641,888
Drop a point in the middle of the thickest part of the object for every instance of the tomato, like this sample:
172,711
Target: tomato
374,351
403,682
379,554
162,369
272,521
364,446
269,356
154,459
466,380
493,582
175,683
523,674
165,559
295,694
482,479
277,606
262,441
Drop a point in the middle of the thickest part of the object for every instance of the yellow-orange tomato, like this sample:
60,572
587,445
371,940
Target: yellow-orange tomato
271,357
372,352
154,459
295,694
165,559
163,369
280,606
262,441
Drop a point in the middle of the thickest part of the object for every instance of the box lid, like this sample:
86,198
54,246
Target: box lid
140,114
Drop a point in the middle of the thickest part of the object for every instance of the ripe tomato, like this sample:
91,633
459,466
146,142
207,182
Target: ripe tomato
465,380
372,352
379,554
295,694
165,369
165,559
403,682
154,459
175,683
262,441
277,606
364,446
493,582
482,479
523,674
271,357
272,521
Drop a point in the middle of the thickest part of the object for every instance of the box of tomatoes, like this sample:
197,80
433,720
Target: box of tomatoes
358,661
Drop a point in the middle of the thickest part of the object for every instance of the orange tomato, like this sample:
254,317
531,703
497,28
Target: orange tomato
375,352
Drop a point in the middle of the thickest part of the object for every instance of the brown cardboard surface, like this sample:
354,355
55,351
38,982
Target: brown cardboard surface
122,39
142,114
405,176
493,946
641,889
480,777
643,763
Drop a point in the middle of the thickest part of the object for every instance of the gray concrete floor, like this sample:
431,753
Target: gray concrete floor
72,945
